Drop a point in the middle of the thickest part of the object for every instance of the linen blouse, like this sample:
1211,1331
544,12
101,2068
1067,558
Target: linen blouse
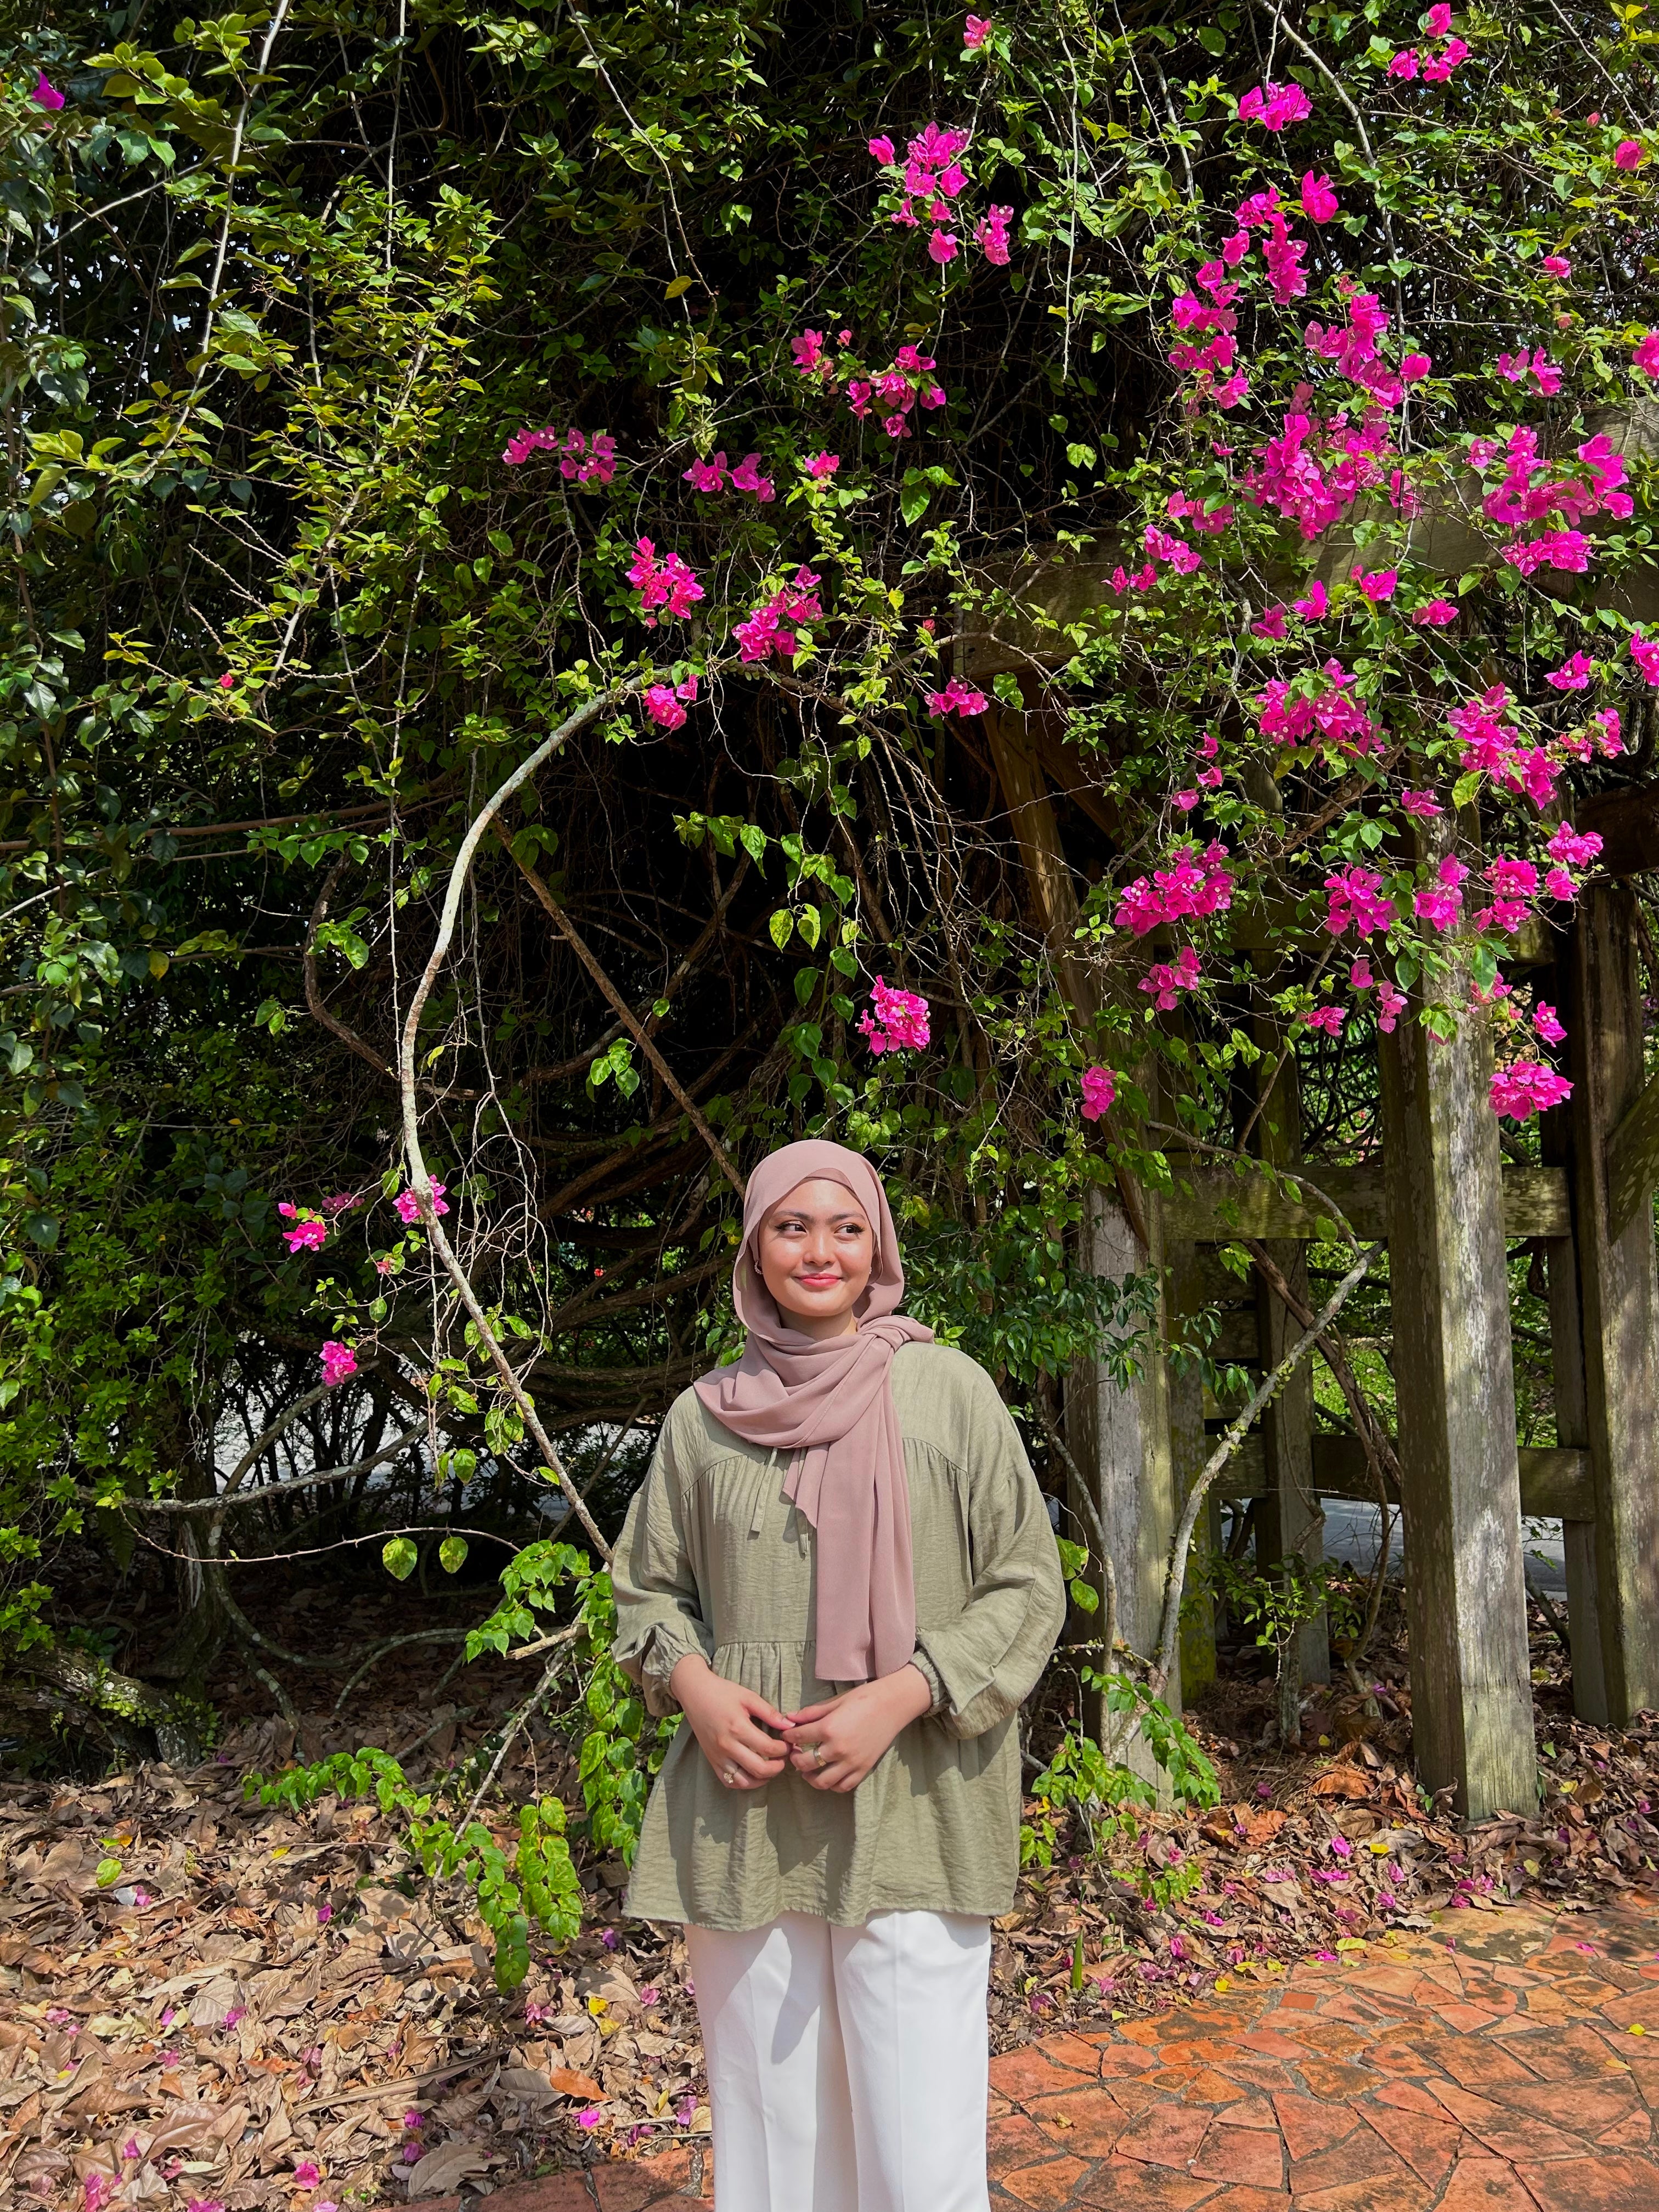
714,1559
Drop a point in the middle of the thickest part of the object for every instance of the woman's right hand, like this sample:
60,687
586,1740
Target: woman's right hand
731,1723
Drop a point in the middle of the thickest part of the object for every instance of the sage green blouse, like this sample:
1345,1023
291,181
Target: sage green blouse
713,1557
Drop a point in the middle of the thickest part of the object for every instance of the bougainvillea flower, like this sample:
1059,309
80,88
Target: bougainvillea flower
1165,978
309,1232
1379,584
1319,202
975,31
668,583
663,703
407,1206
992,235
1275,106
1099,1090
1627,154
45,94
1390,1004
895,1020
1573,675
1548,1024
1576,848
338,1361
957,698
1645,651
1526,1087
1434,615
820,465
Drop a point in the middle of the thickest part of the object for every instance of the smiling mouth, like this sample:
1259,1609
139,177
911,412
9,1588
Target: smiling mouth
818,1282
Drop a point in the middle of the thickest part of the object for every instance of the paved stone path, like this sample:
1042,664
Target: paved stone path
1505,2063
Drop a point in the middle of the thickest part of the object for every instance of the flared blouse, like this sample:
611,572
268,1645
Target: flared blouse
714,1559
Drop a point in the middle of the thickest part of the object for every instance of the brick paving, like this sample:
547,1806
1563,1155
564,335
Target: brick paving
1501,2063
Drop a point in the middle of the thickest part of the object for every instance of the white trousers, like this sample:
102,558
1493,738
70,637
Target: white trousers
846,2066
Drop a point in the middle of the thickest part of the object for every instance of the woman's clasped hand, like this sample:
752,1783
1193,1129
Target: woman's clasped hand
832,1745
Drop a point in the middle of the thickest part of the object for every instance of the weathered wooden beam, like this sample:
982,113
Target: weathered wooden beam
1618,1299
1466,1600
1214,1205
1556,1483
1288,1521
1628,823
1633,1161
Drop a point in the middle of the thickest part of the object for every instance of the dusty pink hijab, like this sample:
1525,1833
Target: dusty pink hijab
830,1405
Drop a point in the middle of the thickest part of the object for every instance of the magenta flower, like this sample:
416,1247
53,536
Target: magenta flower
1527,1087
663,703
766,631
1316,605
1573,675
325,1914
1360,977
1165,979
1319,202
668,583
975,31
1440,904
1558,264
1414,367
214,2204
1437,21
1275,106
1404,63
339,1361
881,149
1329,1019
808,348
96,2191
820,465
306,2174
992,235
1576,849
309,1232
896,1020
227,682
1355,901
1099,1090
1379,584
589,2117
46,94
707,476
1627,154
1646,356
942,247
1548,1025
956,699
1645,651
407,1206
746,477
1435,614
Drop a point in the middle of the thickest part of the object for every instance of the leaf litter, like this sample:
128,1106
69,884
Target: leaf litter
207,2003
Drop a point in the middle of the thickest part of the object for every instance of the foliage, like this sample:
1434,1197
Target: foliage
533,1882
1080,1778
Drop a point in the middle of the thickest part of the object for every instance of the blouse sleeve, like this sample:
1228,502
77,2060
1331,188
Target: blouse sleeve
987,1660
658,1610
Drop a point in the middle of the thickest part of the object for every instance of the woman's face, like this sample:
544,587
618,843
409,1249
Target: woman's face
816,1251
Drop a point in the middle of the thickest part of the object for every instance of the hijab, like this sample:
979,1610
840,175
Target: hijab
829,1402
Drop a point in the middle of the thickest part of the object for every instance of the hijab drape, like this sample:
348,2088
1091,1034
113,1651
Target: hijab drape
829,1404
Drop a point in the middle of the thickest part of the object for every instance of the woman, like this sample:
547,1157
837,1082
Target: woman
841,1570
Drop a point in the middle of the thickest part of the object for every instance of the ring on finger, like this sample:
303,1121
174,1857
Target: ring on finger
730,1777
820,1756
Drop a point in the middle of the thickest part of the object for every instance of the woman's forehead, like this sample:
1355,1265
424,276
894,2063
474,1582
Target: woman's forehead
820,1197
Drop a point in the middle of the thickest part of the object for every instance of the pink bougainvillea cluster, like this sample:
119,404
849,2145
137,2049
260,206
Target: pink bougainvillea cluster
580,462
770,629
1432,63
895,1020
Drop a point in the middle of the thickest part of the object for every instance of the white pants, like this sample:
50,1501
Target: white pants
846,2066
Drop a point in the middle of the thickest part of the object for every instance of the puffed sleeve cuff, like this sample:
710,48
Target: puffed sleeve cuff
670,1642
930,1674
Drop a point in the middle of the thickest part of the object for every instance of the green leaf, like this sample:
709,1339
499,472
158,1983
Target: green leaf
678,288
398,1557
809,926
1467,786
451,1554
108,1873
913,494
782,928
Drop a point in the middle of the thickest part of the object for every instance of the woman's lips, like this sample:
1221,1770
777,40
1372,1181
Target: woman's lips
818,1282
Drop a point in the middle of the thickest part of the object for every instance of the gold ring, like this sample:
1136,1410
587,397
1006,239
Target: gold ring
819,1755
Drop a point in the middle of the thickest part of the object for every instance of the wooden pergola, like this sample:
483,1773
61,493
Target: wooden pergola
1447,1206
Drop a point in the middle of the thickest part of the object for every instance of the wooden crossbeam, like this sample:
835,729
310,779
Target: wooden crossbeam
1556,1483
1212,1206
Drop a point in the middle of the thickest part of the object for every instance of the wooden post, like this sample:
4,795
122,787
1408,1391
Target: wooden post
1121,1440
1617,1307
1288,1517
1589,1688
1189,1448
1459,1474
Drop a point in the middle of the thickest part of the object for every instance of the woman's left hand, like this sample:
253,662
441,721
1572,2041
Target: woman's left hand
834,1745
